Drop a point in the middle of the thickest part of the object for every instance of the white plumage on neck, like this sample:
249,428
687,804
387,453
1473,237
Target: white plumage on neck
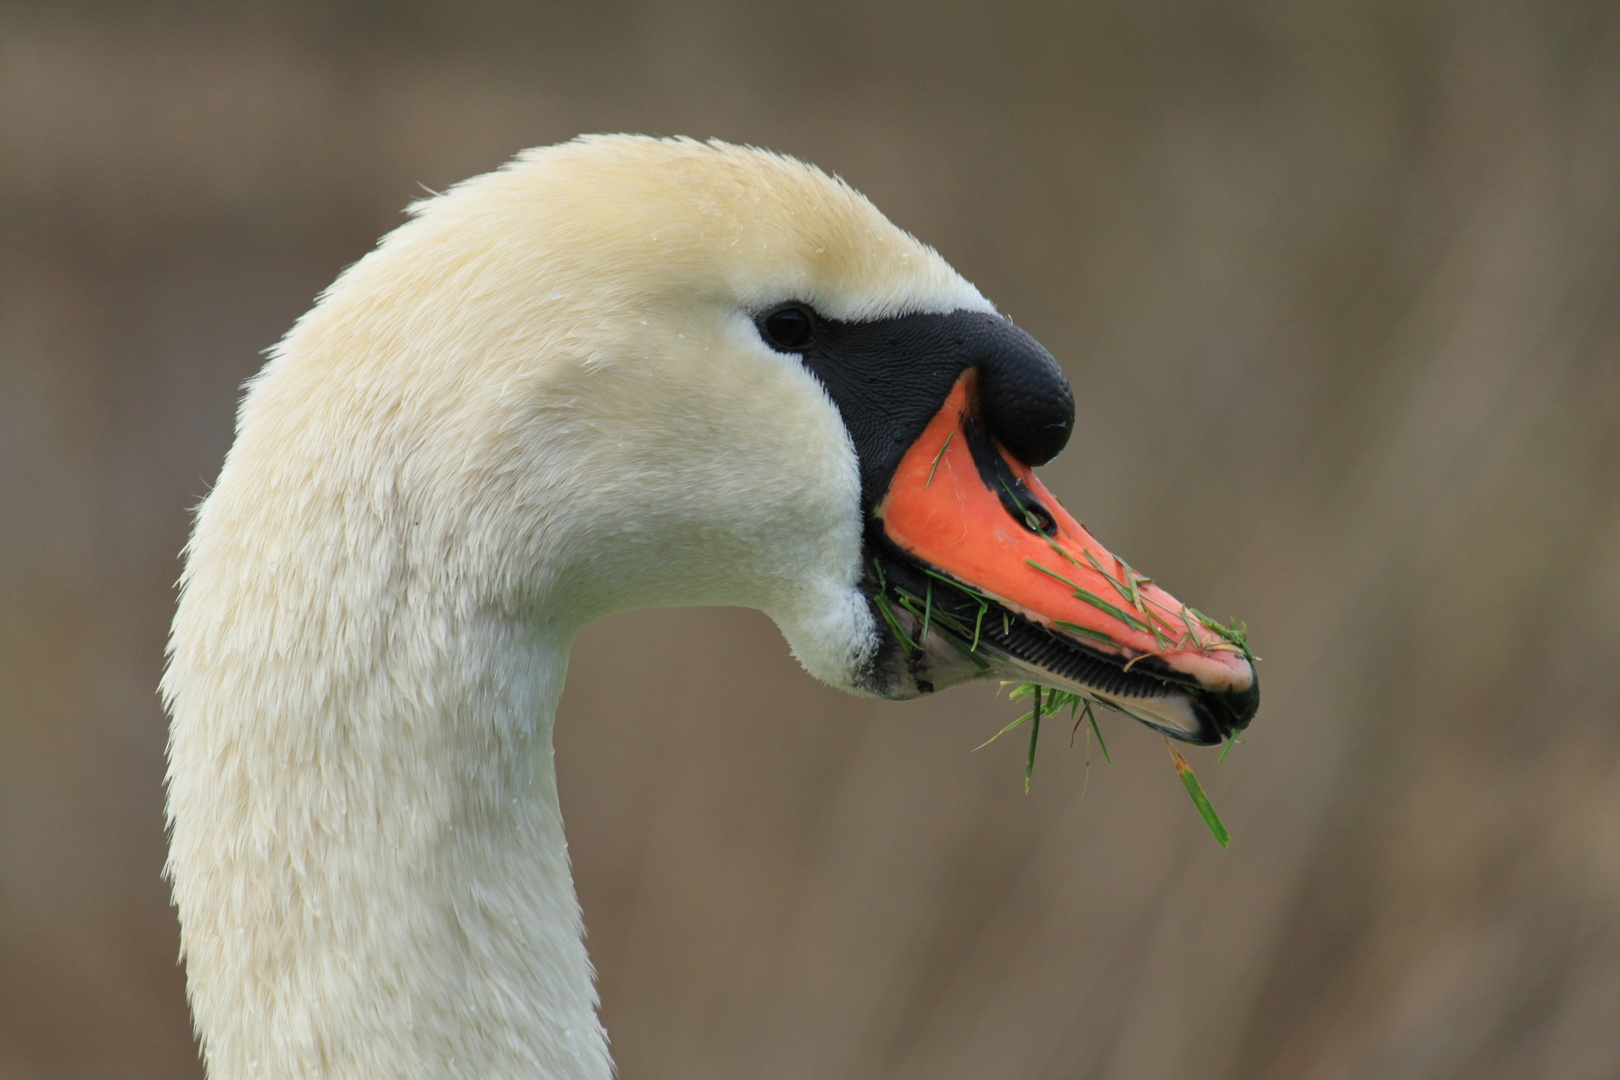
539,401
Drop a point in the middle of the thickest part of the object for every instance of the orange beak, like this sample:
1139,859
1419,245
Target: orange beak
1043,598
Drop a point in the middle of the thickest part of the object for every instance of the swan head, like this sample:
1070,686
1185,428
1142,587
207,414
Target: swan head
627,372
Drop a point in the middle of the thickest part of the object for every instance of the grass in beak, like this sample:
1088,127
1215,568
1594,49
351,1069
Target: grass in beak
1020,722
1049,700
1051,542
1200,800
894,624
1131,590
1083,631
1082,715
1097,731
1186,620
950,620
1034,734
1094,600
928,611
970,590
1236,634
1131,596
937,458
977,660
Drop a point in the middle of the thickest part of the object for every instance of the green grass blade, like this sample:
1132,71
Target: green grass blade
935,468
1084,631
1126,593
1097,731
1192,635
1082,593
1049,572
1200,800
1022,720
953,583
1051,542
894,624
1236,634
928,611
973,657
1034,733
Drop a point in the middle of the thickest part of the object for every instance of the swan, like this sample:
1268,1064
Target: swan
620,372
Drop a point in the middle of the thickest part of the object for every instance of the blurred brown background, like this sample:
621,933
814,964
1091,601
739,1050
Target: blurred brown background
1338,286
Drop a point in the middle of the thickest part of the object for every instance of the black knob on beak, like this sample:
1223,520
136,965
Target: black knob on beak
1024,397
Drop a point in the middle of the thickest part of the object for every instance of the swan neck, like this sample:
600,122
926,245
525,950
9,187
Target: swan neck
368,854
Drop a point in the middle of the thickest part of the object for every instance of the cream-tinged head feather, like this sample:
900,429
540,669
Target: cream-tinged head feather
540,400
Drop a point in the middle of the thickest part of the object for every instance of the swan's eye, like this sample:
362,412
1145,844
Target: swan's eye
788,328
